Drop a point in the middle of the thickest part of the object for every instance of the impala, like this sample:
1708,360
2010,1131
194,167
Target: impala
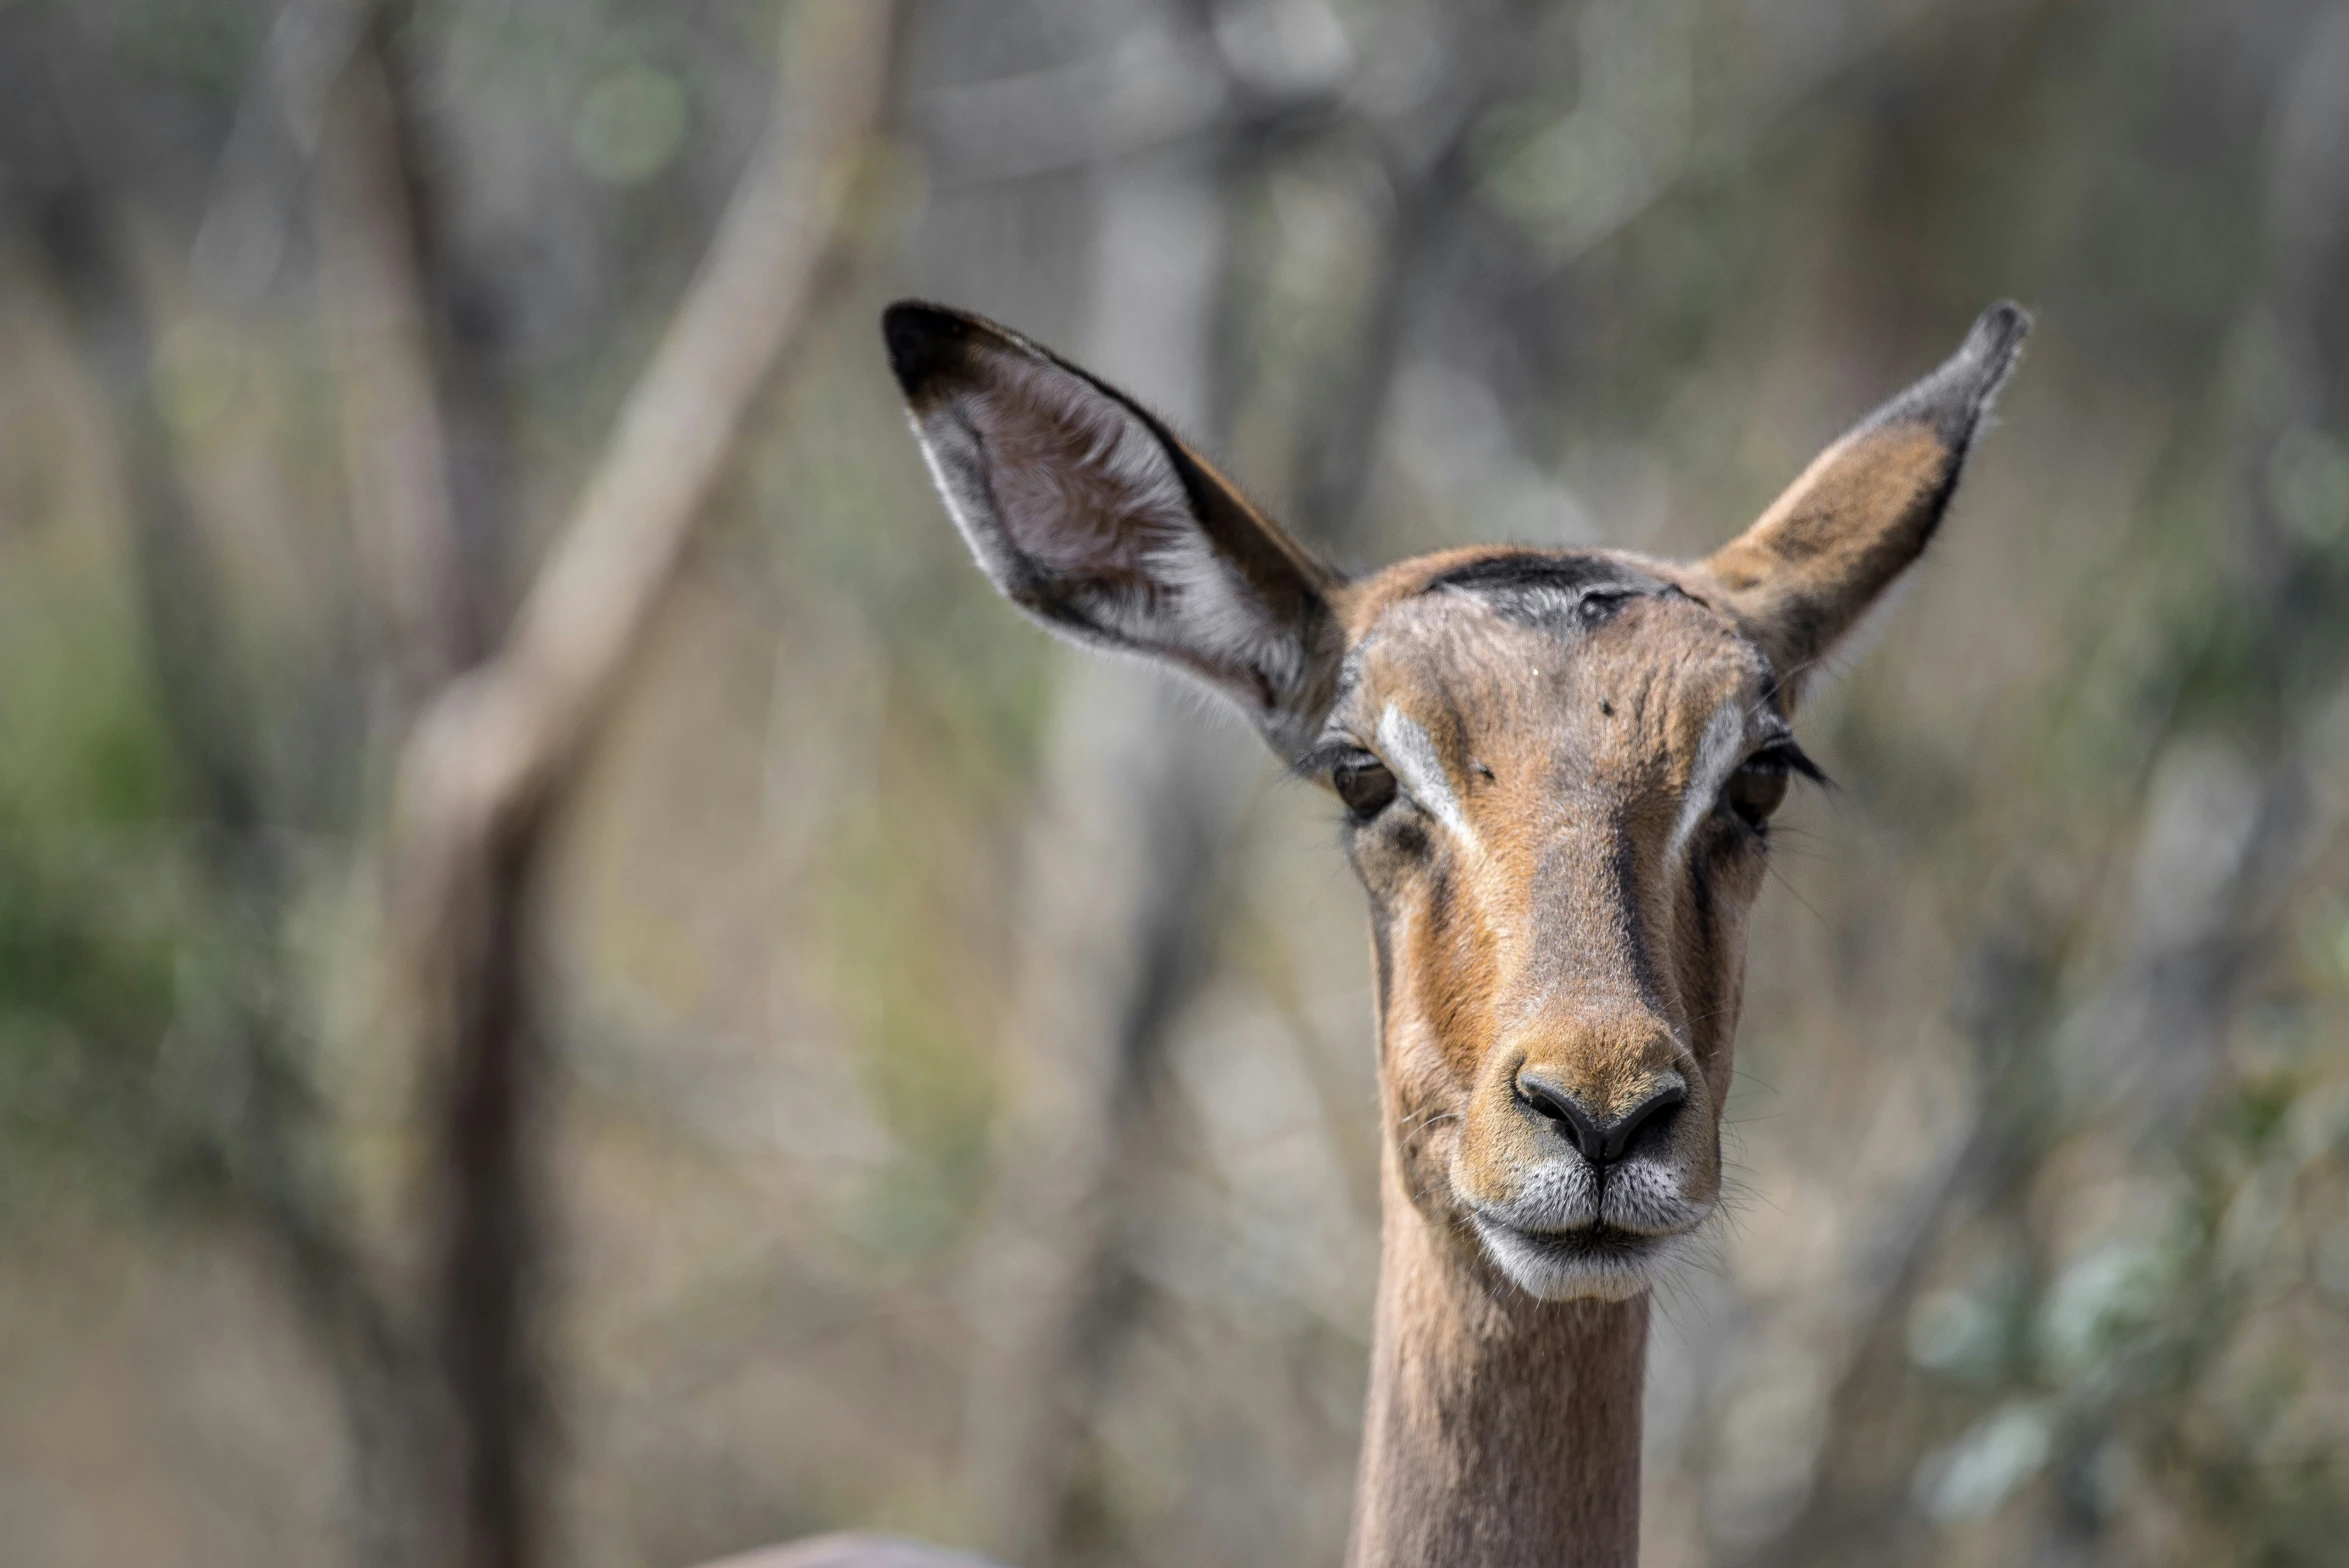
1558,769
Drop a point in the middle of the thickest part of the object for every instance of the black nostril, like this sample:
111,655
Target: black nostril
1599,1141
1654,1110
1584,1132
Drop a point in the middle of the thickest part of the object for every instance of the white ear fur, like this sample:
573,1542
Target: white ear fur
1114,476
1093,517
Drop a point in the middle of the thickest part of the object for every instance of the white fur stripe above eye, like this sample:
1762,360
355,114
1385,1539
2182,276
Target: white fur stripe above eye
1718,755
1411,752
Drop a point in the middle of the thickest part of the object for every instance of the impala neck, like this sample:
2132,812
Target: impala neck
1501,1431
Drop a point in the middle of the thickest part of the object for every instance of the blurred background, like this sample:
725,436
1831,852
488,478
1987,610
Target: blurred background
937,1088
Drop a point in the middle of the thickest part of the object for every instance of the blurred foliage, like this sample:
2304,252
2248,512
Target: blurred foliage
97,916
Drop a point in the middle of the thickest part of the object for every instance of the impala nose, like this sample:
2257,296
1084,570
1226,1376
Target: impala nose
1601,1139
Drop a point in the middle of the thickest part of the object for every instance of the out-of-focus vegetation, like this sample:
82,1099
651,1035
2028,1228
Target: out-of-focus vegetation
961,1111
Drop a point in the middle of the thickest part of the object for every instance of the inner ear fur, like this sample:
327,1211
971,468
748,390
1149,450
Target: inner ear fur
1867,507
1089,513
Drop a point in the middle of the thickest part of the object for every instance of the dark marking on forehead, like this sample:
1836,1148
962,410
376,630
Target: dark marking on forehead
1569,572
1546,590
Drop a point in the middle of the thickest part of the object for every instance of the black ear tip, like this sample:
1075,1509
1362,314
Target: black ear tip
1997,337
1952,399
926,343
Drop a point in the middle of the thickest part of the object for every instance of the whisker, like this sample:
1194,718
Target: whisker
1779,877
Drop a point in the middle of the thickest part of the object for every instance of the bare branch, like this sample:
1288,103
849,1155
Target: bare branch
492,748
393,443
492,754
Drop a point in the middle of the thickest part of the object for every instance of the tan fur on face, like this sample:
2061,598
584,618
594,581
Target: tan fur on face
1554,936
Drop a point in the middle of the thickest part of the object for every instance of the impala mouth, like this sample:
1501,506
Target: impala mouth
1600,1261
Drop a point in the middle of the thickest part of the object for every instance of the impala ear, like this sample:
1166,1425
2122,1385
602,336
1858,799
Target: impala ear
1867,507
1088,513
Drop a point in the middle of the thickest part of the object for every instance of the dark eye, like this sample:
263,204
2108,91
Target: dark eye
1756,789
1366,786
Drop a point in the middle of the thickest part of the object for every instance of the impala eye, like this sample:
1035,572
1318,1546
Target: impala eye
1365,786
1756,789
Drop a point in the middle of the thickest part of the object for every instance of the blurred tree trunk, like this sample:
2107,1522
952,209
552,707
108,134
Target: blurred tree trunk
449,1467
495,754
479,1424
1125,854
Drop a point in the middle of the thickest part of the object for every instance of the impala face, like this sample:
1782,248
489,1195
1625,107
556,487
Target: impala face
1558,768
1558,773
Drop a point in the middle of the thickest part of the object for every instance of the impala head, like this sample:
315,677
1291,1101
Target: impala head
1557,767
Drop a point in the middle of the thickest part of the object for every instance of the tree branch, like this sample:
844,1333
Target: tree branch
492,749
374,298
495,752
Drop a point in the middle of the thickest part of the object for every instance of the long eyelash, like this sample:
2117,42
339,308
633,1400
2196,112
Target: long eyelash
1797,761
1327,758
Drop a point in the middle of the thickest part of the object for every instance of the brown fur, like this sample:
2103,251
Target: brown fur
1504,1429
1500,1429
1558,897
1819,557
